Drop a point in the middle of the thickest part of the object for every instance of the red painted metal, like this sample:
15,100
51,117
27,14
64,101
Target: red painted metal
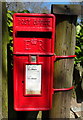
33,36
63,57
29,102
63,89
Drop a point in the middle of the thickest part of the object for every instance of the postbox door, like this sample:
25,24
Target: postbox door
33,83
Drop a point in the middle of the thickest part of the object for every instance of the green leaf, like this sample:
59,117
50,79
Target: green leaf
10,24
24,11
11,30
81,58
77,49
81,46
10,38
78,28
9,16
11,48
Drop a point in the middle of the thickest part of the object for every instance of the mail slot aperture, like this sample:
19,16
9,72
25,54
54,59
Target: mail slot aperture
28,34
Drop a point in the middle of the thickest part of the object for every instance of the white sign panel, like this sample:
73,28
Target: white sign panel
33,79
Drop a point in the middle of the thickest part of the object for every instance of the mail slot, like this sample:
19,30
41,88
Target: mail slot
33,36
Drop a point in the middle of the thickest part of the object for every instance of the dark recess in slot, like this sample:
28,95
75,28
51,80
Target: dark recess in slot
27,34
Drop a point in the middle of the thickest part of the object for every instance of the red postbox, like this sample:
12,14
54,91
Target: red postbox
33,61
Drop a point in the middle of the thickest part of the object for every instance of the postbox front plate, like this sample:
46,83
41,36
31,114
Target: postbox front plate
33,36
32,98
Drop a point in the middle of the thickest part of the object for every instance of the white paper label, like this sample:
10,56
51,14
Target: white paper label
33,79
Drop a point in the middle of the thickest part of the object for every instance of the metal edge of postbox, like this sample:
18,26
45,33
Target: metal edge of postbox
38,54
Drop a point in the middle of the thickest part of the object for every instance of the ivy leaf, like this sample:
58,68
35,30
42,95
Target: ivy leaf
77,49
10,38
78,28
24,11
10,24
9,16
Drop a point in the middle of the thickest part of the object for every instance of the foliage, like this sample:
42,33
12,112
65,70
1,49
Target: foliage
10,30
79,44
10,25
